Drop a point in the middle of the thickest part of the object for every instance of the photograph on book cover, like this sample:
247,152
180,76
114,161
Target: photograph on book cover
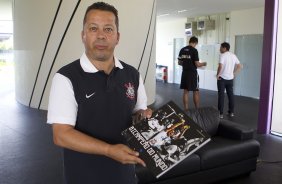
166,138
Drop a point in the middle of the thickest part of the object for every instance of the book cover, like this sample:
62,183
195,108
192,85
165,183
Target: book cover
165,139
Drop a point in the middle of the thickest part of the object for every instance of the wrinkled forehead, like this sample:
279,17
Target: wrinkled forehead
100,15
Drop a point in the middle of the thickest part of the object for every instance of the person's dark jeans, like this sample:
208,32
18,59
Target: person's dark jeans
223,84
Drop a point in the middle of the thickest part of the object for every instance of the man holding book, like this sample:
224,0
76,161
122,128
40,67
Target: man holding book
92,101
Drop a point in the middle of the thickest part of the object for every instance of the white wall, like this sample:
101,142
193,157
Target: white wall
241,22
6,19
165,33
245,22
32,24
6,10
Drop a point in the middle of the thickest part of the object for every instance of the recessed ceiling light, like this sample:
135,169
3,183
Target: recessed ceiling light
162,15
180,11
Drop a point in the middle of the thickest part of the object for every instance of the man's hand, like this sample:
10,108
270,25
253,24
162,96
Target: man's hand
67,137
141,114
146,113
200,64
124,154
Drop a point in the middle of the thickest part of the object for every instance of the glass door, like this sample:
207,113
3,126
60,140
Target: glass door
248,49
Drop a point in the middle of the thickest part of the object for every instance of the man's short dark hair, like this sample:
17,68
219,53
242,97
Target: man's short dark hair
104,7
193,39
225,45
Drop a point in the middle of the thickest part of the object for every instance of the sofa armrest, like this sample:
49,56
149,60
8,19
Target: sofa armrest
234,130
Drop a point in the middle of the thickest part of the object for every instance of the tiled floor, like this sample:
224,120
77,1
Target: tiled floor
28,156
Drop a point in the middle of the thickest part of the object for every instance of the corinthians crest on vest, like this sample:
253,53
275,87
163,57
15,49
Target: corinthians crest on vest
130,93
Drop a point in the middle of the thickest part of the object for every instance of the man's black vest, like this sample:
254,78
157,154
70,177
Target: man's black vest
105,105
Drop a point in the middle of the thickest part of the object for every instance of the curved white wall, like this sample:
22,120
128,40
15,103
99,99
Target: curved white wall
47,36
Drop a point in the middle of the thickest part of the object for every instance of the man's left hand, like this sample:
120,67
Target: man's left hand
141,114
146,113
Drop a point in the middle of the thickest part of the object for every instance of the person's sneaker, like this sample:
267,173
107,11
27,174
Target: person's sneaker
221,116
231,114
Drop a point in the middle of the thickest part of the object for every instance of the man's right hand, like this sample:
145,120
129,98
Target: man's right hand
67,137
124,154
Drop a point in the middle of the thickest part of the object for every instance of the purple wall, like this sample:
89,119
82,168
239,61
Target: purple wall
268,64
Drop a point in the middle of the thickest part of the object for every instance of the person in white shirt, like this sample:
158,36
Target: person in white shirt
228,67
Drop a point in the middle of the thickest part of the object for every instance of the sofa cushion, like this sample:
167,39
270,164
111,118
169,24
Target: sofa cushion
232,130
221,151
206,117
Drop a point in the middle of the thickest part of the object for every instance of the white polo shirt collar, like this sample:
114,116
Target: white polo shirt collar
88,67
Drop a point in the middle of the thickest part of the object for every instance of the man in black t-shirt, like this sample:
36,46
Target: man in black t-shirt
188,58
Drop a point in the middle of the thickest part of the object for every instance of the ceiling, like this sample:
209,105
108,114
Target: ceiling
168,9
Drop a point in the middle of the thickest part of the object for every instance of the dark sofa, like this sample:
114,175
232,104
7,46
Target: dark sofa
231,152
